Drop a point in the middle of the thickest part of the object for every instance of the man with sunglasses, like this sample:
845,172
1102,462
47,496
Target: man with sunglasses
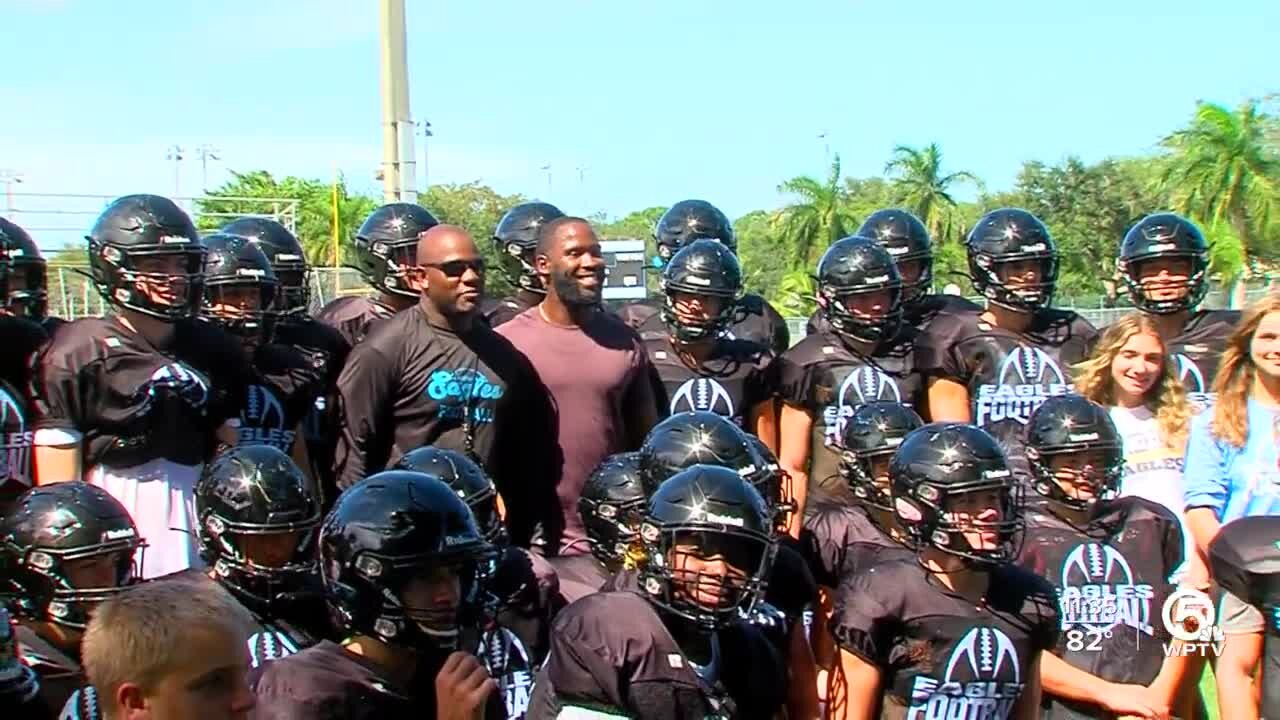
436,374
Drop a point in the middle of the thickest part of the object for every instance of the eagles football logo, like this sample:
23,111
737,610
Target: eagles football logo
178,381
867,384
984,651
15,462
263,420
702,394
1099,591
982,679
507,661
1030,366
1095,562
1190,375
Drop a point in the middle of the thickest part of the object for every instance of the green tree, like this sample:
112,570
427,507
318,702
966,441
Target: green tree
822,216
477,208
305,204
925,190
762,265
1222,167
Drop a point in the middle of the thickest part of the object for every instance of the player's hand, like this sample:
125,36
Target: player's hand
1137,701
463,687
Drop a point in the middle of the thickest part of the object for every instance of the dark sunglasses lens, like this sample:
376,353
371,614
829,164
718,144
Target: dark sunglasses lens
458,268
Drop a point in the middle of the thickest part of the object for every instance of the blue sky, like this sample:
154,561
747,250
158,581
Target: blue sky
657,100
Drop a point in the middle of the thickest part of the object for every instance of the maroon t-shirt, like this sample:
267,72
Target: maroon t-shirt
593,372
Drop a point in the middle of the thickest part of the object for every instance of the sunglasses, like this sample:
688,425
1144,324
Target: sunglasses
458,268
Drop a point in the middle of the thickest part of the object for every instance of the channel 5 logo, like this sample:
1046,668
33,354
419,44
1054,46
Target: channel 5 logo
1189,616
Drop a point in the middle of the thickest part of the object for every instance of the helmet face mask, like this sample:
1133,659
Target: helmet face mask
1013,260
285,253
953,493
26,292
65,550
386,246
612,506
515,240
1164,261
701,286
709,546
1075,452
860,290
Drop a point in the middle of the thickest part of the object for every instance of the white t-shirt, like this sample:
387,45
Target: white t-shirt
1152,470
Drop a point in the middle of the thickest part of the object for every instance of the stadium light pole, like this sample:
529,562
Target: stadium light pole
398,160
9,177
175,156
207,152
547,169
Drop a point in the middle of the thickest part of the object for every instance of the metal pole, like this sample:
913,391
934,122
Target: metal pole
547,168
175,155
9,178
391,25
407,158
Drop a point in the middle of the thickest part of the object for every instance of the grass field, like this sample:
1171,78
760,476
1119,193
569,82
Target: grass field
1209,691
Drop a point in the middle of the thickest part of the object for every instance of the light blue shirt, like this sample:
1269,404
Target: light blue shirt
1235,482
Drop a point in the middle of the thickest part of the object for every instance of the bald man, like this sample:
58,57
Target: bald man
436,374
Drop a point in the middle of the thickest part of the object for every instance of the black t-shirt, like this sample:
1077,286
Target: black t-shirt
939,655
611,652
827,380
325,350
1008,374
754,319
352,316
579,575
60,674
734,379
134,402
411,384
284,394
21,339
1198,350
497,311
1112,579
839,538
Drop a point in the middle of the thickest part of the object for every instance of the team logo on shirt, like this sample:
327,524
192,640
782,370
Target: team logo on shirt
262,422
507,661
176,381
1024,379
270,644
15,461
704,394
863,385
464,393
1192,378
1098,592
982,679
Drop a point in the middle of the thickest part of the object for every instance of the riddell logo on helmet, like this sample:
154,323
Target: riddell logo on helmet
723,519
877,279
174,239
1160,247
1038,247
118,533
1082,437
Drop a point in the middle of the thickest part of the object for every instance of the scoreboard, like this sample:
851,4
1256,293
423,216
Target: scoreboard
624,269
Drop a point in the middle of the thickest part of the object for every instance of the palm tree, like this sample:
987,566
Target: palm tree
1220,168
922,187
820,218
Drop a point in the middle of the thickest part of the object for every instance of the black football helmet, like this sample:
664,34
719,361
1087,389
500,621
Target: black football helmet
611,506
690,220
935,466
855,266
1006,236
709,513
239,288
906,239
1070,424
704,268
50,532
515,239
127,246
28,284
386,530
875,430
386,246
467,479
1164,236
772,482
288,260
255,491
692,438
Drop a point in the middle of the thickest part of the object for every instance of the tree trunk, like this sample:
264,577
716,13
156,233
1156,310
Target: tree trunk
1240,288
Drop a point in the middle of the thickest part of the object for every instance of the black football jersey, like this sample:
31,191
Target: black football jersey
792,588
838,538
283,395
134,402
939,655
325,350
1008,374
60,674
1198,350
1112,579
352,315
737,376
51,324
754,319
497,311
526,593
21,339
579,575
823,377
612,653
918,314
512,665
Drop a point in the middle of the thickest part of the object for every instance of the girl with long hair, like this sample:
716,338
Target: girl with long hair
1233,471
1132,374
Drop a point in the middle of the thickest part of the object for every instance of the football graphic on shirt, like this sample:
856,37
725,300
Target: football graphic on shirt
1030,366
702,394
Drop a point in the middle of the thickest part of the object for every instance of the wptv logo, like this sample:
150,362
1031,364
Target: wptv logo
1189,616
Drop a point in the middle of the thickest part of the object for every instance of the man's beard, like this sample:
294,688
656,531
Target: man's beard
571,293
